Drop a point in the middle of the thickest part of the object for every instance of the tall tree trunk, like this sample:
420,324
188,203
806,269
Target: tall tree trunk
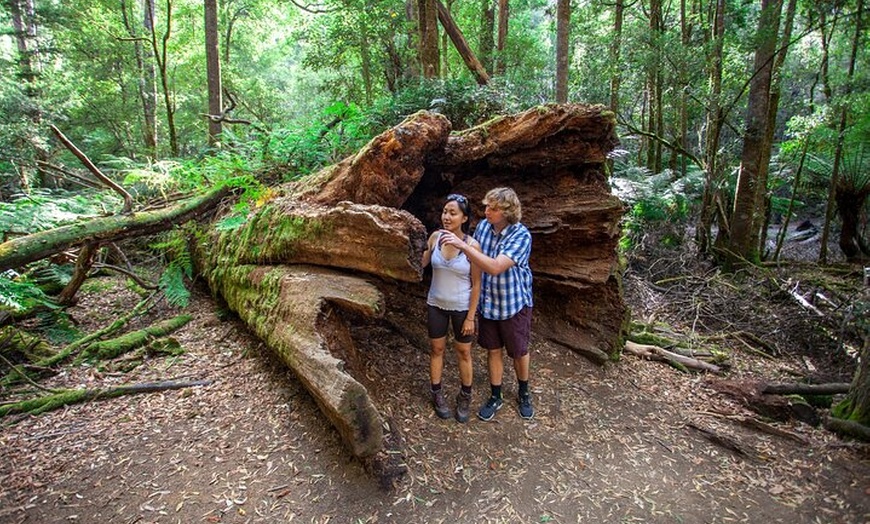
835,185
856,405
762,198
685,39
563,29
430,61
501,41
743,243
615,51
487,34
160,50
461,45
213,72
714,119
655,121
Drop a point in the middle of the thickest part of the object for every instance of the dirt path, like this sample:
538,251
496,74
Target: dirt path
607,445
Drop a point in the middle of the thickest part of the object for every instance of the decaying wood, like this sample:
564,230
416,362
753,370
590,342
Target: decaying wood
663,355
38,405
83,264
287,306
835,388
777,407
22,250
378,240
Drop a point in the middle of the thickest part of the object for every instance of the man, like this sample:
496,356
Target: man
506,295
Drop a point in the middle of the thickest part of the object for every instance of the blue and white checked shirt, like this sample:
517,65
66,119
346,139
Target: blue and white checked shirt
504,295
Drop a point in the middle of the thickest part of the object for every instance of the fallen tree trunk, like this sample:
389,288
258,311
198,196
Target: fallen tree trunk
295,310
57,399
22,250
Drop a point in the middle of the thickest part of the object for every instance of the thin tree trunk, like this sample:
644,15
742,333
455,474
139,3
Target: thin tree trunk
501,41
714,120
841,131
147,89
563,29
213,72
160,50
461,45
780,240
487,34
615,51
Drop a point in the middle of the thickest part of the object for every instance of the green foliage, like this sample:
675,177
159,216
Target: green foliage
57,327
43,209
20,293
662,198
174,247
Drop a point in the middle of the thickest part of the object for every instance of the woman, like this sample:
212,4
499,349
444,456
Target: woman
453,297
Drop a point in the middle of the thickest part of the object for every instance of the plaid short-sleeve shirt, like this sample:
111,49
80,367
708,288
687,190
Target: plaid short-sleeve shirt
503,296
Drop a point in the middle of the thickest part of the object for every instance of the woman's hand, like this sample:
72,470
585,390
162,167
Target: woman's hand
468,327
450,239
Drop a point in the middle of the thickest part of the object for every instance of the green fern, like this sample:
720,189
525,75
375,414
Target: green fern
172,281
20,294
172,284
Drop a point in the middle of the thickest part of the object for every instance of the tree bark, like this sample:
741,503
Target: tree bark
615,52
501,41
20,251
213,71
563,51
461,45
486,48
430,61
161,50
743,243
856,406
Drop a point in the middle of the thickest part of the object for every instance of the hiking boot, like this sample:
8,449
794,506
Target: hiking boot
524,405
463,409
440,405
487,411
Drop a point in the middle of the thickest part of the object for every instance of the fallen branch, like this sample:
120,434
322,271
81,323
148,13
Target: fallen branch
128,200
662,355
835,388
141,282
108,349
36,406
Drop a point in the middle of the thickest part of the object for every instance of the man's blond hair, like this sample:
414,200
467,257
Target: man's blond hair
506,199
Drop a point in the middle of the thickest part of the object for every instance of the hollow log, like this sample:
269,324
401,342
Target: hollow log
294,309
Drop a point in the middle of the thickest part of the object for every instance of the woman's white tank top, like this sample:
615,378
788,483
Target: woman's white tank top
451,281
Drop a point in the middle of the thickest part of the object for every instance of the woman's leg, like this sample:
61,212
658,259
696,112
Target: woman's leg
463,355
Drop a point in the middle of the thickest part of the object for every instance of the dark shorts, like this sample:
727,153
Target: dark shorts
513,333
438,319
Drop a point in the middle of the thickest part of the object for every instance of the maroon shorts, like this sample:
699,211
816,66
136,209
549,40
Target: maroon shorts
513,333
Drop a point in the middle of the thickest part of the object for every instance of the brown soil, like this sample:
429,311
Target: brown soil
608,444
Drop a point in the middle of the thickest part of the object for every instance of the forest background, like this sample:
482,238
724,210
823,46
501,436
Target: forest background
733,116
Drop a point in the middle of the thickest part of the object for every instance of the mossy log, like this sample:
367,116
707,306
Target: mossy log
378,240
286,307
57,399
22,250
109,349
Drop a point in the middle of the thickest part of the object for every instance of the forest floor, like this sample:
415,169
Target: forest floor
613,444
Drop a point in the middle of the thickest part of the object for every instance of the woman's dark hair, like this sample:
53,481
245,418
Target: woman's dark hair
464,206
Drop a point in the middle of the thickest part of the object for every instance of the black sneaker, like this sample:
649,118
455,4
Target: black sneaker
487,411
440,405
524,405
463,410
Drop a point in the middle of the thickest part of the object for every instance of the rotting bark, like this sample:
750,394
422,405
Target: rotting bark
22,250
